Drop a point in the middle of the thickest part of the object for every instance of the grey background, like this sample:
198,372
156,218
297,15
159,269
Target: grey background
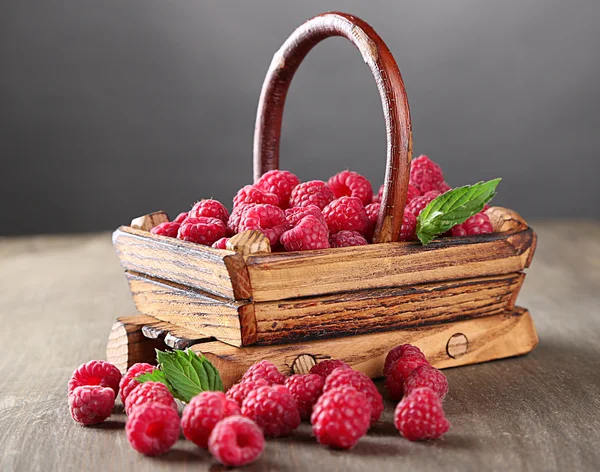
117,108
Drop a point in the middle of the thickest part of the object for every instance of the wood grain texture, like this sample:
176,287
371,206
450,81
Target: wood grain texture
247,243
127,344
147,222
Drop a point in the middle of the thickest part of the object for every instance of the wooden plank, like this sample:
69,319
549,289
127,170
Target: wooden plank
128,345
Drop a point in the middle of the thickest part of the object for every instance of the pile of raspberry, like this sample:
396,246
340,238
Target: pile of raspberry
300,216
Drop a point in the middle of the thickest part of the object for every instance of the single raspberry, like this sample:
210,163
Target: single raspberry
397,353
347,239
129,383
264,370
310,233
152,428
96,373
351,184
306,390
236,441
327,366
427,376
202,230
476,224
402,368
346,213
294,215
314,192
252,194
420,416
409,226
168,228
203,412
239,391
210,209
362,383
341,417
274,410
149,392
372,210
280,183
236,216
417,205
425,174
91,404
220,244
268,219
181,217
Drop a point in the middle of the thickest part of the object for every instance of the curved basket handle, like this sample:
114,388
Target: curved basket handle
393,99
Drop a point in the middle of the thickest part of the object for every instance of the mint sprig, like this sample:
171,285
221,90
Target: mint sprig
452,208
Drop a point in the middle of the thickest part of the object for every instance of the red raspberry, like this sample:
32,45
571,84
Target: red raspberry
409,226
476,224
327,366
280,183
372,210
149,392
425,174
274,410
397,353
236,441
202,414
347,239
306,390
294,215
129,383
202,230
220,244
236,216
309,233
181,217
239,391
351,184
152,428
362,383
427,376
252,194
314,192
420,416
346,213
91,404
168,228
417,205
209,209
264,370
96,373
341,417
268,219
402,368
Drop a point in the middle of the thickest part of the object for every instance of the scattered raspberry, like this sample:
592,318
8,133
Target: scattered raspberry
168,228
314,192
155,392
341,417
239,391
351,184
91,404
362,383
347,239
221,243
128,382
202,230
346,213
420,416
417,205
236,441
236,216
397,353
427,376
326,367
409,226
476,224
274,410
425,175
306,390
294,215
210,209
402,368
280,183
268,219
252,194
202,414
309,233
96,373
181,217
152,428
264,370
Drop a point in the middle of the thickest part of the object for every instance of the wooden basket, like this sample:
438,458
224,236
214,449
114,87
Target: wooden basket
284,305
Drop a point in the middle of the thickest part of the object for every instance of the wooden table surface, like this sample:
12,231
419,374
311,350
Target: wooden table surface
60,294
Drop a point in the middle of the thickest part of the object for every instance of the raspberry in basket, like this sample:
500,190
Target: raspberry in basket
280,183
399,372
152,428
129,383
295,214
327,366
91,404
221,243
239,391
264,370
425,175
476,224
417,205
202,230
252,194
168,228
149,392
427,376
236,441
268,219
181,217
351,184
96,373
347,239
314,192
306,390
420,416
273,409
397,353
310,233
346,213
236,216
211,209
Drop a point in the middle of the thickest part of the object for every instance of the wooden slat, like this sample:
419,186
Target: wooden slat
128,345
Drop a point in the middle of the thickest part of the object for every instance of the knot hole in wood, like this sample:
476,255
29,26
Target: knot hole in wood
457,346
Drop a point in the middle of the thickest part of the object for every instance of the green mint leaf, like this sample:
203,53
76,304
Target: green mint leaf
452,208
157,375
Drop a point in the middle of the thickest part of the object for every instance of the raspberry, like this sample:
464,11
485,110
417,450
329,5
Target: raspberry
420,416
236,441
202,414
306,390
326,367
155,392
239,391
476,224
294,215
252,194
372,210
351,184
341,417
417,205
425,175
264,370
409,226
209,209
427,376
402,368
362,383
91,404
310,233
280,183
202,230
347,239
152,428
314,192
397,353
168,228
444,187
274,410
236,216
346,213
220,244
181,217
96,373
268,219
129,383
